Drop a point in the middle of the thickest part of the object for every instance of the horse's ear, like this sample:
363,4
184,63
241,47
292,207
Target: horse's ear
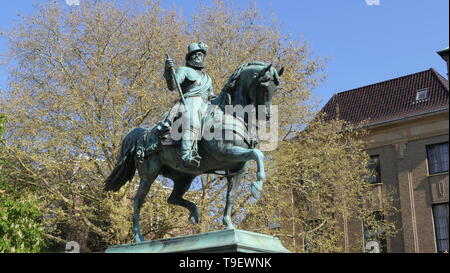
280,71
265,69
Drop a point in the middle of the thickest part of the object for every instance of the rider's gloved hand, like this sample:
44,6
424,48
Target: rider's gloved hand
169,64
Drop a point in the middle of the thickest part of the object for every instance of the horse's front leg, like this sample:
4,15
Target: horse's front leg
257,186
233,185
239,154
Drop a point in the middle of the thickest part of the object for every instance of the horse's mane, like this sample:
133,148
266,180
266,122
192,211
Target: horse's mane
232,79
227,90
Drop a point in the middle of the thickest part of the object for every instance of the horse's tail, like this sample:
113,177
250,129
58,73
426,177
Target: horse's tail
126,166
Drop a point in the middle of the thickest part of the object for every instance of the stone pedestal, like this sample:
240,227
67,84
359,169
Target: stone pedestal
223,241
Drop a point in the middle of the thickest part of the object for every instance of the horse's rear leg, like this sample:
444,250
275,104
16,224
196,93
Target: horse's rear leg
181,186
148,171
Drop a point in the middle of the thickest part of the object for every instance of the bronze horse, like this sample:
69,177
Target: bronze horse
252,84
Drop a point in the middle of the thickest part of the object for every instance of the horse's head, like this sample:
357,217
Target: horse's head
263,80
252,84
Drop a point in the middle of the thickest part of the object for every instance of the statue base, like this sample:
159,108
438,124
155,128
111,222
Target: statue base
223,241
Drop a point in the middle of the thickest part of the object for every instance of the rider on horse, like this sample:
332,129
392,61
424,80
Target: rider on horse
197,91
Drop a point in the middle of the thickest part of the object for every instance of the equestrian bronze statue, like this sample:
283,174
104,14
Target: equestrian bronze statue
180,147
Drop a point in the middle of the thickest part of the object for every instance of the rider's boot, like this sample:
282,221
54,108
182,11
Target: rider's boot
189,153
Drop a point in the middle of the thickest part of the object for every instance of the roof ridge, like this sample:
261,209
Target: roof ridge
441,79
377,102
377,83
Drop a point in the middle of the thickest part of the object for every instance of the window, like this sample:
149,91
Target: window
374,237
422,94
437,158
440,214
374,167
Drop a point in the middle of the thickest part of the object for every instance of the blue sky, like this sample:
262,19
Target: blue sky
365,43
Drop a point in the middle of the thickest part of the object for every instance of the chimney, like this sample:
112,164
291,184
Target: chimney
444,55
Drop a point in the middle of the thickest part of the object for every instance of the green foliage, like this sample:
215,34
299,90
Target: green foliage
20,227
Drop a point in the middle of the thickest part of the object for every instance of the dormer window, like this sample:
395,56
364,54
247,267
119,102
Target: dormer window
422,94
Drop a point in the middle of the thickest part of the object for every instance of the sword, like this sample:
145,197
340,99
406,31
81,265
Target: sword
172,71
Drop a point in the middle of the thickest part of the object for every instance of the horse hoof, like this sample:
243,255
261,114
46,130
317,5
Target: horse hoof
138,238
227,223
256,190
260,177
194,219
256,194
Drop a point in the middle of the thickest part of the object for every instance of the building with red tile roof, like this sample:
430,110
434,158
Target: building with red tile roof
391,100
408,125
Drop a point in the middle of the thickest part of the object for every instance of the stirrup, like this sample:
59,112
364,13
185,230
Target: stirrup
191,159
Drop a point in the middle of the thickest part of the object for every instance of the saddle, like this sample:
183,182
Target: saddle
213,121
